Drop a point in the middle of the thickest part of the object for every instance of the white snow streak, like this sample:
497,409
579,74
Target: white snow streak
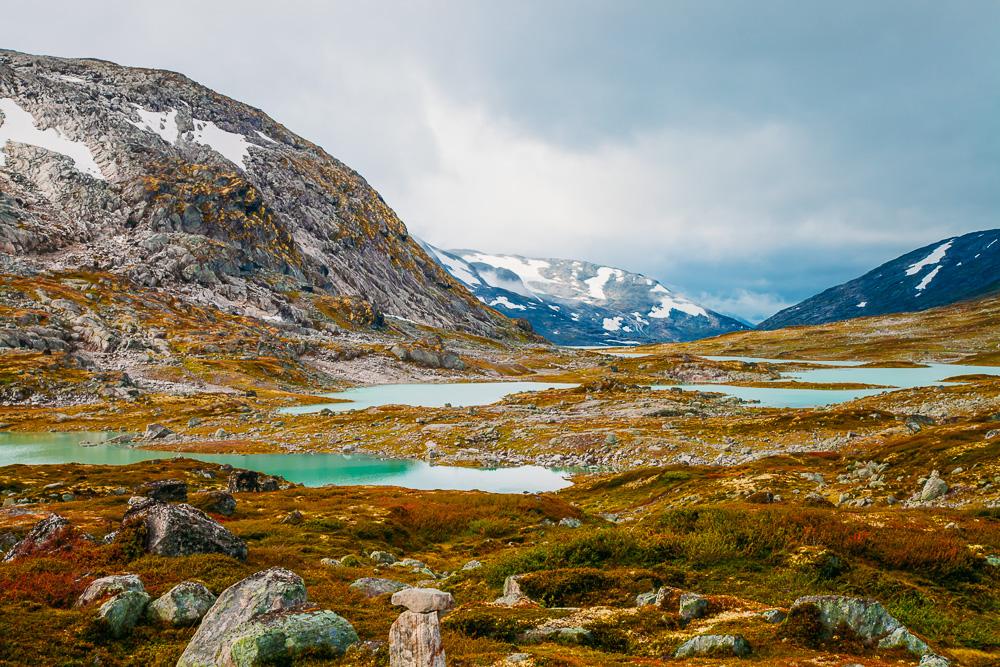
936,256
19,126
596,284
506,303
162,123
927,279
230,145
670,302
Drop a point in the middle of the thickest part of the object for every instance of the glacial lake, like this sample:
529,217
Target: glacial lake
427,395
307,469
836,372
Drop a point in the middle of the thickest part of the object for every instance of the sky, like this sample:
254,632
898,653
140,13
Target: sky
750,154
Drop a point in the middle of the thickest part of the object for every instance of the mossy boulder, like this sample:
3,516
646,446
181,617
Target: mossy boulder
714,646
184,604
121,613
281,636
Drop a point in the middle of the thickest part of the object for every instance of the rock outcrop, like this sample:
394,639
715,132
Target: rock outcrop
51,534
184,604
714,646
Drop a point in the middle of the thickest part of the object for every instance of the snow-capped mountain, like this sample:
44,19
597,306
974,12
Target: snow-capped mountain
953,269
572,302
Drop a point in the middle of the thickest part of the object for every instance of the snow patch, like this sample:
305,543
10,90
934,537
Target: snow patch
669,301
230,145
19,126
455,266
935,257
506,303
927,279
528,270
612,323
266,138
862,304
596,284
163,123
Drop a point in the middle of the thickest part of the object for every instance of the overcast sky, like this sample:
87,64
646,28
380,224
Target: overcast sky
749,153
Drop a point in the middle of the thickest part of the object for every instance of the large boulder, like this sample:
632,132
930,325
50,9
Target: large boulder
164,490
107,586
415,637
423,600
179,530
263,617
934,487
51,534
714,646
184,604
123,611
692,606
251,481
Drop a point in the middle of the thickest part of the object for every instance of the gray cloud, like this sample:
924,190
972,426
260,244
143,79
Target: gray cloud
750,152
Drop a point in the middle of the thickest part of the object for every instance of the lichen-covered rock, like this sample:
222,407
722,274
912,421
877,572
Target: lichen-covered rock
281,636
773,615
372,587
561,635
164,490
415,641
108,586
180,530
382,557
901,638
123,611
265,592
716,646
156,432
51,534
184,604
933,488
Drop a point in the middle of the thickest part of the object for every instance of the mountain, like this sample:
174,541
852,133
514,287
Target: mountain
572,302
150,177
953,269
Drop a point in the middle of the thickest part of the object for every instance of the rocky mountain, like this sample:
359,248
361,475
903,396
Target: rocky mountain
572,302
150,177
950,270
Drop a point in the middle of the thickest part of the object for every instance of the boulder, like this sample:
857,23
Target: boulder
513,596
933,488
184,604
51,534
267,592
372,587
108,586
164,490
180,530
866,619
279,637
423,600
123,611
251,481
214,502
382,557
692,606
561,635
716,646
156,432
773,615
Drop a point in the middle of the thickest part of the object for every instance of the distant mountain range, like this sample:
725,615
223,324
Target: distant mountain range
572,302
951,270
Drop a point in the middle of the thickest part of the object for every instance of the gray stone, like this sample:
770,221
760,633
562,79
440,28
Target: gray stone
215,502
123,611
714,646
571,635
382,557
164,490
570,522
512,594
865,618
105,587
51,534
773,615
901,638
181,530
933,488
692,606
372,587
423,600
184,604
251,481
156,432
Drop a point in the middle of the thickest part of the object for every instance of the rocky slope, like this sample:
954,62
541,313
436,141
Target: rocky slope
150,177
950,270
572,302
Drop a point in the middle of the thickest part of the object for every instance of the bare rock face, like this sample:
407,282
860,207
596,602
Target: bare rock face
263,619
180,530
415,637
169,185
51,534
